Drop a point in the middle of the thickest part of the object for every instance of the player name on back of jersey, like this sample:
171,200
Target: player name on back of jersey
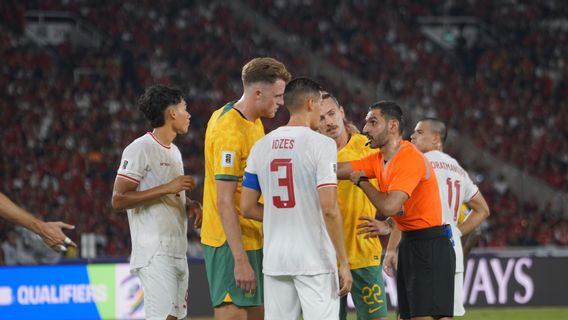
283,143
448,166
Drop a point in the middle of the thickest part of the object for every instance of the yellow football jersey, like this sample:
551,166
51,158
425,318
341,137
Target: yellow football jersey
353,204
228,140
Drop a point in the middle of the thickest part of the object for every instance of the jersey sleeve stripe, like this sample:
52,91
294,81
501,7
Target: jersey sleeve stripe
127,178
323,185
474,195
226,177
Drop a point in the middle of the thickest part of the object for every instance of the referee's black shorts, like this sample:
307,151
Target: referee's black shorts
425,274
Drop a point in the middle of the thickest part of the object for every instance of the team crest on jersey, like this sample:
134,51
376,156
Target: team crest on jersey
227,159
124,164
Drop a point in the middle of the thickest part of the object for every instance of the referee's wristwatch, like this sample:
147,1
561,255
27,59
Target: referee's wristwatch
361,179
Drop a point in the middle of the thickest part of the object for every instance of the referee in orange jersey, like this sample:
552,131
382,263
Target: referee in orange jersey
425,264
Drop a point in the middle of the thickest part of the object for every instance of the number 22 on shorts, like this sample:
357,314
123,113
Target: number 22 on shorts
371,297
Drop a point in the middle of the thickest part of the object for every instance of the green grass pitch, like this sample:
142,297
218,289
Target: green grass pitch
495,314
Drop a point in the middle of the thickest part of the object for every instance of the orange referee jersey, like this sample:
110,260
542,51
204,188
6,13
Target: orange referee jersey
408,171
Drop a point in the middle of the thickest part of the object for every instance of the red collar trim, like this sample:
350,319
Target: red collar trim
158,141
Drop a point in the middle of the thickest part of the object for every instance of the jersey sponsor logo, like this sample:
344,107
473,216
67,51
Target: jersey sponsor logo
124,164
228,159
165,164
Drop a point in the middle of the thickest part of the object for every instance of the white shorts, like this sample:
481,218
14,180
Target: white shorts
165,281
316,297
458,294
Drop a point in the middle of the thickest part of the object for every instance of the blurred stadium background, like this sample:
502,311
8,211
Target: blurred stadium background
71,70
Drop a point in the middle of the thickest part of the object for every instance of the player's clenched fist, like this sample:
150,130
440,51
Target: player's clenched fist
181,183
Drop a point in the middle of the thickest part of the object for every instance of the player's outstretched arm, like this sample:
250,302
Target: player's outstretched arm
51,232
244,274
250,207
479,212
334,225
125,196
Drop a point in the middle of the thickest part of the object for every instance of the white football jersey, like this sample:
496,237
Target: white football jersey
291,164
158,227
455,188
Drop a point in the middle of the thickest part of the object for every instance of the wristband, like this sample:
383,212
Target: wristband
361,179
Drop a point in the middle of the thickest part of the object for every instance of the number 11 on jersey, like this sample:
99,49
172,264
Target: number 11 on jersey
451,187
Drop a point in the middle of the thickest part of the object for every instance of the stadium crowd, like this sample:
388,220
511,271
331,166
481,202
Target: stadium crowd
66,112
511,103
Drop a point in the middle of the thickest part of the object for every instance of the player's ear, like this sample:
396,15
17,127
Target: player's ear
171,112
437,140
309,104
392,125
257,91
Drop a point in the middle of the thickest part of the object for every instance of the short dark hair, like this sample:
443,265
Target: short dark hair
390,110
438,126
297,90
327,95
155,100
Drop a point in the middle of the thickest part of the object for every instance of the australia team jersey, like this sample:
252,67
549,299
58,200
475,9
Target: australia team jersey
160,226
353,204
455,188
291,163
228,140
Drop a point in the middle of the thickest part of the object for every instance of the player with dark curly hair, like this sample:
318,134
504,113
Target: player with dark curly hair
151,185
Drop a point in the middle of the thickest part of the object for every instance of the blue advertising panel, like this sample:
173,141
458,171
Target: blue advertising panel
54,292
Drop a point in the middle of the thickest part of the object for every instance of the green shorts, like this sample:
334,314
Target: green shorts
220,267
368,292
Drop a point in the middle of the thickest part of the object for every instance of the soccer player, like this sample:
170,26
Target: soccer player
233,244
50,232
364,252
294,168
151,185
409,194
456,188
